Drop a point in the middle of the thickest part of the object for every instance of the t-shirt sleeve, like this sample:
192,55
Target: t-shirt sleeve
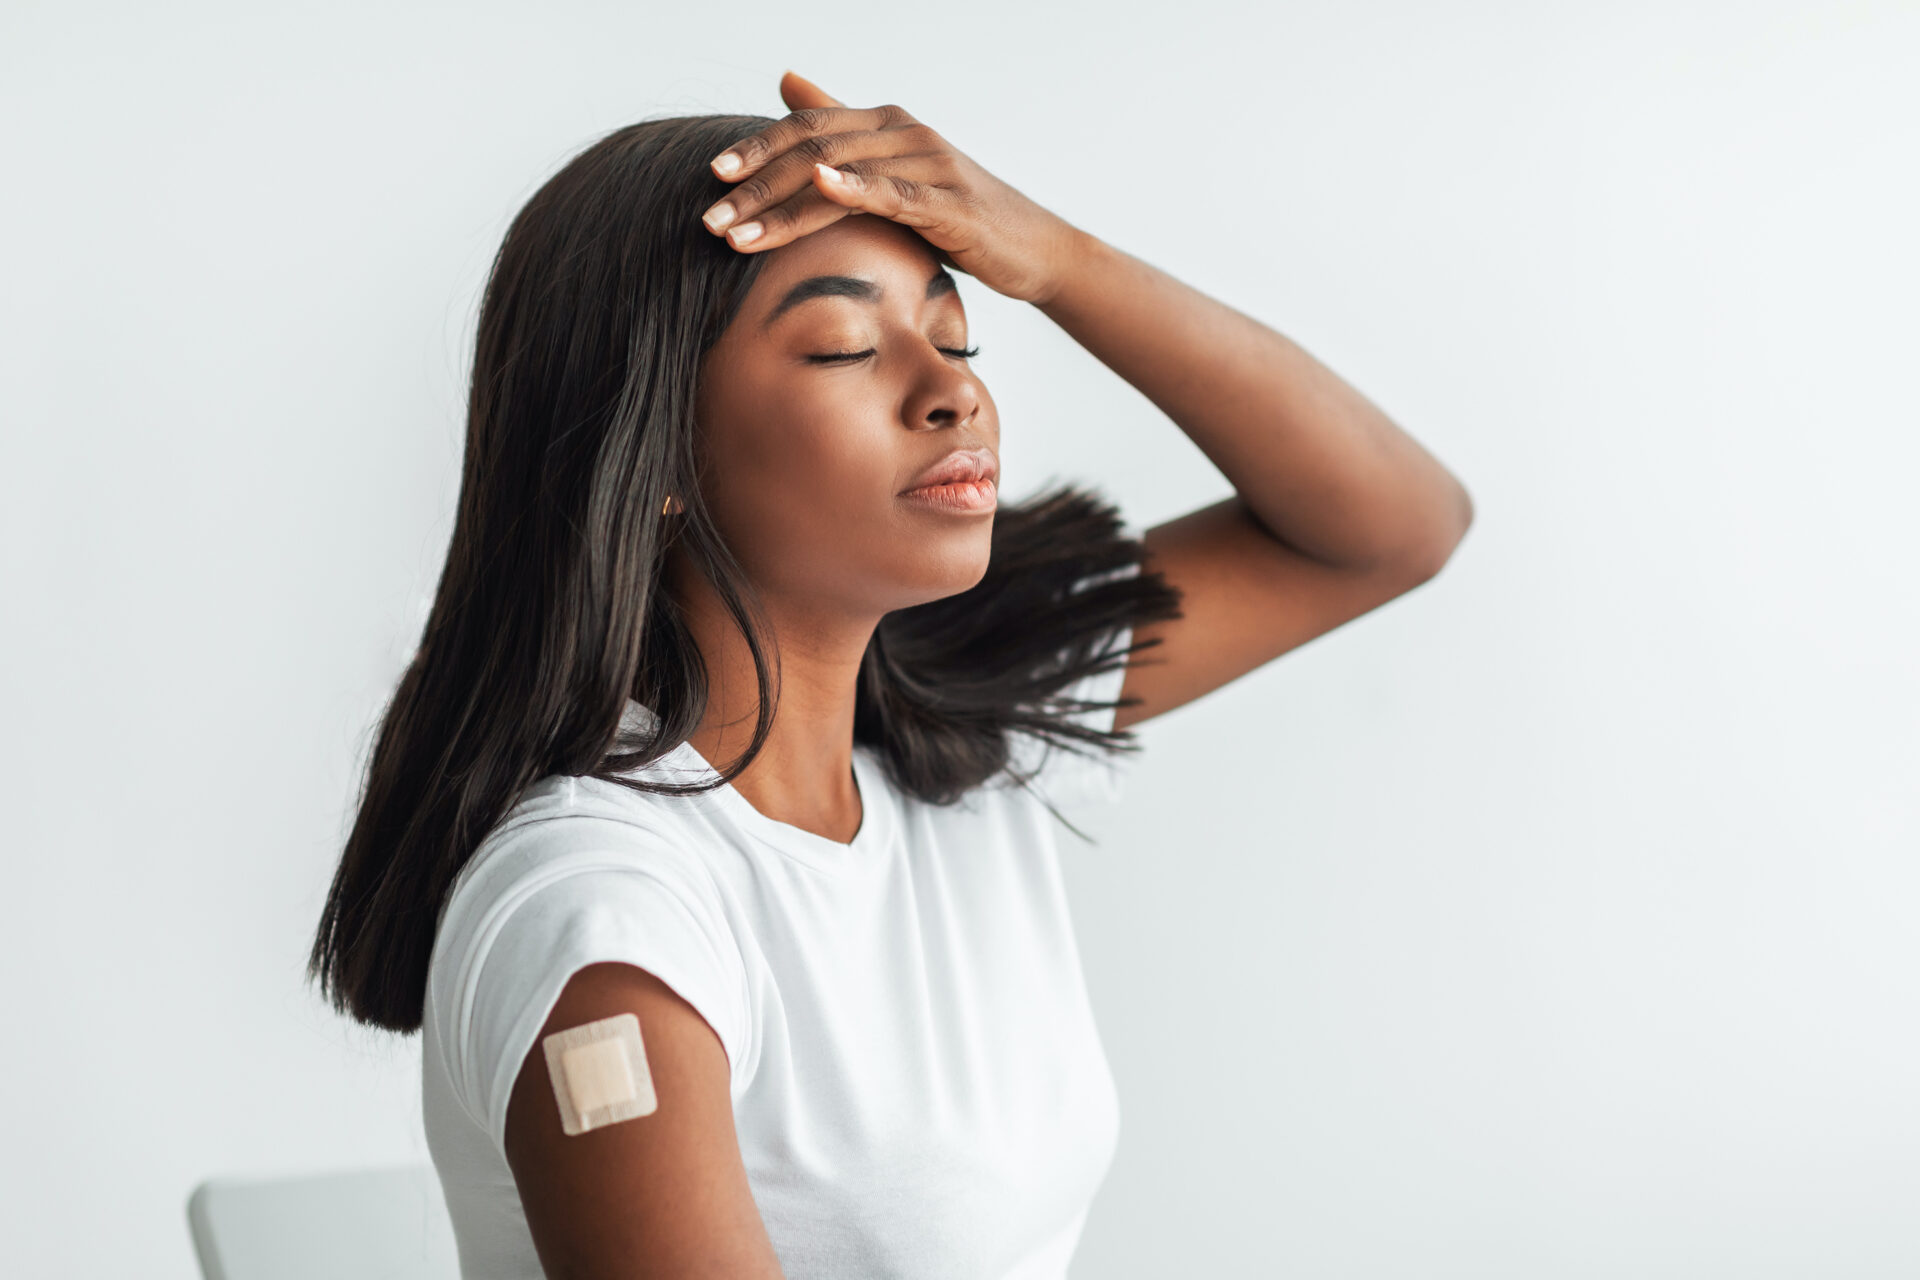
576,911
1085,774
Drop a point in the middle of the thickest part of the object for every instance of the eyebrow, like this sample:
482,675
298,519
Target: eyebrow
938,284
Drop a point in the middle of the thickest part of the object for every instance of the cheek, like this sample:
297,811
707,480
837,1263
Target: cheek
813,439
806,467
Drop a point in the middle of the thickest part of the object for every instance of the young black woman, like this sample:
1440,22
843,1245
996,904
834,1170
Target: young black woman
864,1041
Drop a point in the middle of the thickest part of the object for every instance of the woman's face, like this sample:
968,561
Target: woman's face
805,460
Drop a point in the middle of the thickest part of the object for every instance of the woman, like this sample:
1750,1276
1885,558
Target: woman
726,719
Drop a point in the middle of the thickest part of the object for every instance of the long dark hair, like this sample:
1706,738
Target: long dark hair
602,302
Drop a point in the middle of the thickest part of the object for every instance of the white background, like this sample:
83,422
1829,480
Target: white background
1556,920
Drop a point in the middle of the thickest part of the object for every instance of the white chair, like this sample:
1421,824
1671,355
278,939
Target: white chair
372,1224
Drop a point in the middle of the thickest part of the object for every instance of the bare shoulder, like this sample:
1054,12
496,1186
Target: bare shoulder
663,1194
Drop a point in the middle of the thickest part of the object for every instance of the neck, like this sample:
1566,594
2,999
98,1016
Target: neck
803,775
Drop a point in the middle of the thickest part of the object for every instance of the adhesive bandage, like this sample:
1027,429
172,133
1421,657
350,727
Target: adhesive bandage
600,1073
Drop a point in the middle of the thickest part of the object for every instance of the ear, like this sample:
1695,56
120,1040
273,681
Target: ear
798,93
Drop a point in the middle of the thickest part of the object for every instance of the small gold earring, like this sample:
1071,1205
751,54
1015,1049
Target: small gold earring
672,507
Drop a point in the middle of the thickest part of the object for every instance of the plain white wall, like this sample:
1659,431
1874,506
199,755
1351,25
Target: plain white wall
1557,919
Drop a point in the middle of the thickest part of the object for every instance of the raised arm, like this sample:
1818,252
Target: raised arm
1336,510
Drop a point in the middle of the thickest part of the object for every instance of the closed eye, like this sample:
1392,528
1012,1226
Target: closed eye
967,353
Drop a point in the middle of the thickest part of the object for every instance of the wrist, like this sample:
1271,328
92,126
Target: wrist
1071,250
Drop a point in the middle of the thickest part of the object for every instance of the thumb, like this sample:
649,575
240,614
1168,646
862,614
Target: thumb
798,93
842,186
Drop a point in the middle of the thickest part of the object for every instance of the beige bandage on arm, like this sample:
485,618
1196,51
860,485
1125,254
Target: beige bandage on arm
600,1073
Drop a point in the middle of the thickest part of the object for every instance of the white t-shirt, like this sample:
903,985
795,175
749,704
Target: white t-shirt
918,1086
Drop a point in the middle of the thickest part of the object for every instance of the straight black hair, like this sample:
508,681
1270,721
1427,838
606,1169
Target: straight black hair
602,302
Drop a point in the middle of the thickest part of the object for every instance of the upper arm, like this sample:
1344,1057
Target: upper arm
659,1195
1246,599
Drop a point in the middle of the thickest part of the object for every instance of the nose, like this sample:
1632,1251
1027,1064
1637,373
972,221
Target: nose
952,401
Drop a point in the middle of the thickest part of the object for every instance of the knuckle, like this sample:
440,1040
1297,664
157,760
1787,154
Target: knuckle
817,147
812,119
895,114
751,191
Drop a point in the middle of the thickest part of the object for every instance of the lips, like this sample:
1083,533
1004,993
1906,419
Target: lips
959,467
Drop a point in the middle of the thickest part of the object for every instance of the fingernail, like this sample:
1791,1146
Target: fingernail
828,172
726,164
718,216
746,233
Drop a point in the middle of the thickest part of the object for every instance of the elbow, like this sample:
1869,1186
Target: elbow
1432,551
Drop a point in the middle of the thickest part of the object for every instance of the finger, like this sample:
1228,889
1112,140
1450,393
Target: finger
786,222
889,195
913,204
754,150
791,172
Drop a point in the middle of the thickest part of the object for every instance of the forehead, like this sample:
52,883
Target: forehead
868,259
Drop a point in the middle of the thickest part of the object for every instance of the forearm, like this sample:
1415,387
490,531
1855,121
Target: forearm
1318,464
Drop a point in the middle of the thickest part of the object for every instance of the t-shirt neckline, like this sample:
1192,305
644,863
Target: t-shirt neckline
811,848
